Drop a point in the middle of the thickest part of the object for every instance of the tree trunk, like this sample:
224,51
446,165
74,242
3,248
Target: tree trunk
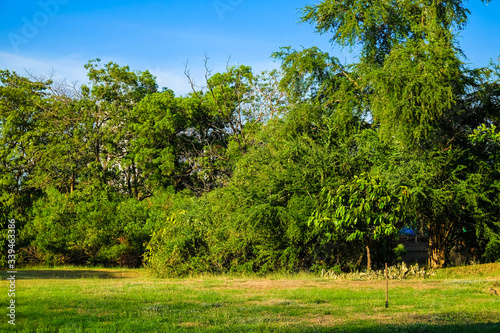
368,259
72,182
437,251
135,181
129,184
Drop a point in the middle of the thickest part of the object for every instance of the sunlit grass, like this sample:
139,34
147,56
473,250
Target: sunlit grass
119,300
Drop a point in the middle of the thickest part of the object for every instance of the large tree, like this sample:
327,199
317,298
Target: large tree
114,92
411,86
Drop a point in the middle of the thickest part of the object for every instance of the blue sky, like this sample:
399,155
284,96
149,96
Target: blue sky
161,36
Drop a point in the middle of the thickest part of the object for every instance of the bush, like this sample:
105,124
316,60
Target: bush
178,247
72,228
492,252
90,226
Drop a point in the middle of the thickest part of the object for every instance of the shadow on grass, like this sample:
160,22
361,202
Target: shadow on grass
72,274
78,326
370,328
414,328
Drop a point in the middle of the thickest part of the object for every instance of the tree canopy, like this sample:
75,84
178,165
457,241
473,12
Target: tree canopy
317,165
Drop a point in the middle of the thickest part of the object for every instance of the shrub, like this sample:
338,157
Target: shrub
492,252
176,248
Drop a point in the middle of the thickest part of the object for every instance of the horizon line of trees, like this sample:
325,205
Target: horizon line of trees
318,165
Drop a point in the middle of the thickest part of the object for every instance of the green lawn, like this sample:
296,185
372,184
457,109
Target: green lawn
120,300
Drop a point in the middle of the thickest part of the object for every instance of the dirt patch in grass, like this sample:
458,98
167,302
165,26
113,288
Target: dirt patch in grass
326,321
190,324
265,285
272,302
415,284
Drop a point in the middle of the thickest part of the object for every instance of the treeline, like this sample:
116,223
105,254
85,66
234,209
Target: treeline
317,166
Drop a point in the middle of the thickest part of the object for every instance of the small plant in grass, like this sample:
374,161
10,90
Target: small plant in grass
398,272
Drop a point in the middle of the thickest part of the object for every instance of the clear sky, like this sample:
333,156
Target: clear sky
161,36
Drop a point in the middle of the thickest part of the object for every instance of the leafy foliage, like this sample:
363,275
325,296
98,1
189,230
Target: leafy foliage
298,169
366,206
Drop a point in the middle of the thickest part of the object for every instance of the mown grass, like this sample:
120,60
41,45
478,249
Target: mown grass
120,300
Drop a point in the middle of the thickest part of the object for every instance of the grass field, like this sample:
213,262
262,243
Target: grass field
120,300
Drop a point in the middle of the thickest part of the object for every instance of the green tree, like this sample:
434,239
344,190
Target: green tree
227,112
366,207
64,154
110,99
162,132
411,86
22,104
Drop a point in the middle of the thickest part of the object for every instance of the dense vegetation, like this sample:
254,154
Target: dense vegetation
316,166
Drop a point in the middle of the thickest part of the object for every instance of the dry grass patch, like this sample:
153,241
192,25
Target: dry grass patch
258,285
325,321
484,270
190,324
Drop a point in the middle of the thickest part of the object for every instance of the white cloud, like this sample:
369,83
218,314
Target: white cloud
70,68
174,79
